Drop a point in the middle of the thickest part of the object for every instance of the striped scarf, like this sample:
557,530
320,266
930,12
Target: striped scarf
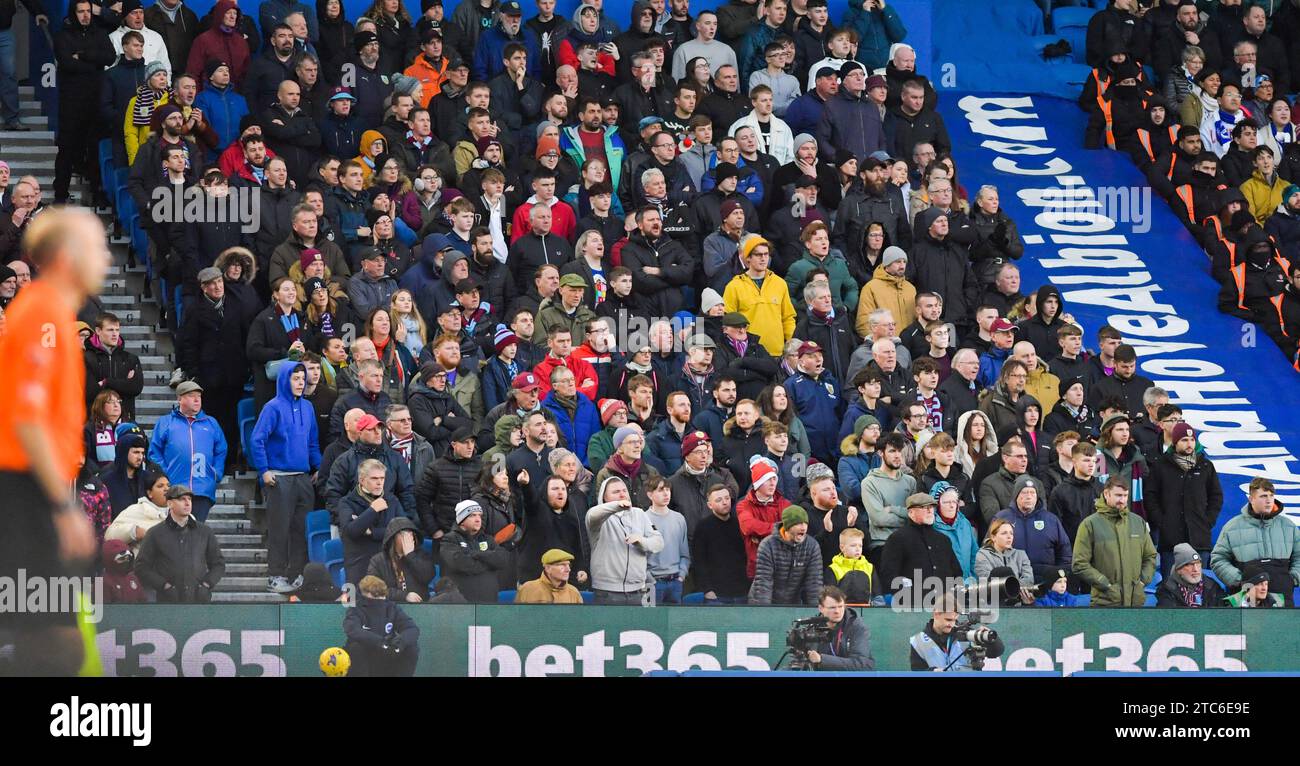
146,100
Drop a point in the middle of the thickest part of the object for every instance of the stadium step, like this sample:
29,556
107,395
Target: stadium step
236,597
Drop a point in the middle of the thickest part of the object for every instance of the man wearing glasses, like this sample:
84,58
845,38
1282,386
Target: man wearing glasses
1151,432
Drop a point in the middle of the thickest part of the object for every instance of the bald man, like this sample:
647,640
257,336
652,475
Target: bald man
291,133
43,532
1042,384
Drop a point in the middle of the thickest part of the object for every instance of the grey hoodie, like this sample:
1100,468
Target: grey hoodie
615,565
884,499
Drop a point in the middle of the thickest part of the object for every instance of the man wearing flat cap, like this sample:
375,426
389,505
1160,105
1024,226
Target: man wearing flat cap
553,586
190,446
916,552
210,348
180,558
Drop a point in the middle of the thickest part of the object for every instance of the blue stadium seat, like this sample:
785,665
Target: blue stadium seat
334,561
318,533
1071,24
693,599
587,596
246,414
506,597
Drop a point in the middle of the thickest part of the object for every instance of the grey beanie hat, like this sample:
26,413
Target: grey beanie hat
1184,554
1026,481
892,255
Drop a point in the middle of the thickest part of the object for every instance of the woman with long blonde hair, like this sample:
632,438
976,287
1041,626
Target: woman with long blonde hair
408,326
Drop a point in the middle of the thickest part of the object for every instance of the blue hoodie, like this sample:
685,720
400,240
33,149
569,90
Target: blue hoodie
191,452
285,437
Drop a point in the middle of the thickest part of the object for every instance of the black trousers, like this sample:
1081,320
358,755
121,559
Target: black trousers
287,504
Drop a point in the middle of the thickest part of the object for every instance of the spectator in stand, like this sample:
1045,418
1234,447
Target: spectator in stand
285,452
849,120
1038,533
1186,586
1259,540
180,558
278,333
620,558
471,557
916,552
815,395
884,493
101,429
223,43
552,587
190,446
1183,497
1113,552
382,639
718,552
210,349
363,515
82,51
999,553
788,566
132,524
109,365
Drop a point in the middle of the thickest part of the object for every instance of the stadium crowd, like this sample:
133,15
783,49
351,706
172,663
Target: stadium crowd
680,303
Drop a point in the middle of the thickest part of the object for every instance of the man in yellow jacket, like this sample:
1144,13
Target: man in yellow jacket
1042,384
1264,190
761,296
888,289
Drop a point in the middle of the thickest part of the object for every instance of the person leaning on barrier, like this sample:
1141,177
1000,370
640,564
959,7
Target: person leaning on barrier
936,649
849,645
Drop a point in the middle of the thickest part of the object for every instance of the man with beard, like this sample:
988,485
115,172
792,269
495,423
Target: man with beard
1183,498
875,201
372,87
660,266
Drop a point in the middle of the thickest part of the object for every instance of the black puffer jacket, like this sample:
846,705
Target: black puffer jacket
660,294
858,210
941,266
448,481
188,559
428,406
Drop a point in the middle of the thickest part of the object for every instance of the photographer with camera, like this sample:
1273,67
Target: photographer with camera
946,647
848,646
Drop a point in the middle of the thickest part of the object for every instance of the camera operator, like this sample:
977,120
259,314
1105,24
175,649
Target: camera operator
849,645
936,648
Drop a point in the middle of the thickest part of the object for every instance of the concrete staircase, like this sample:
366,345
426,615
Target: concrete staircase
241,535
